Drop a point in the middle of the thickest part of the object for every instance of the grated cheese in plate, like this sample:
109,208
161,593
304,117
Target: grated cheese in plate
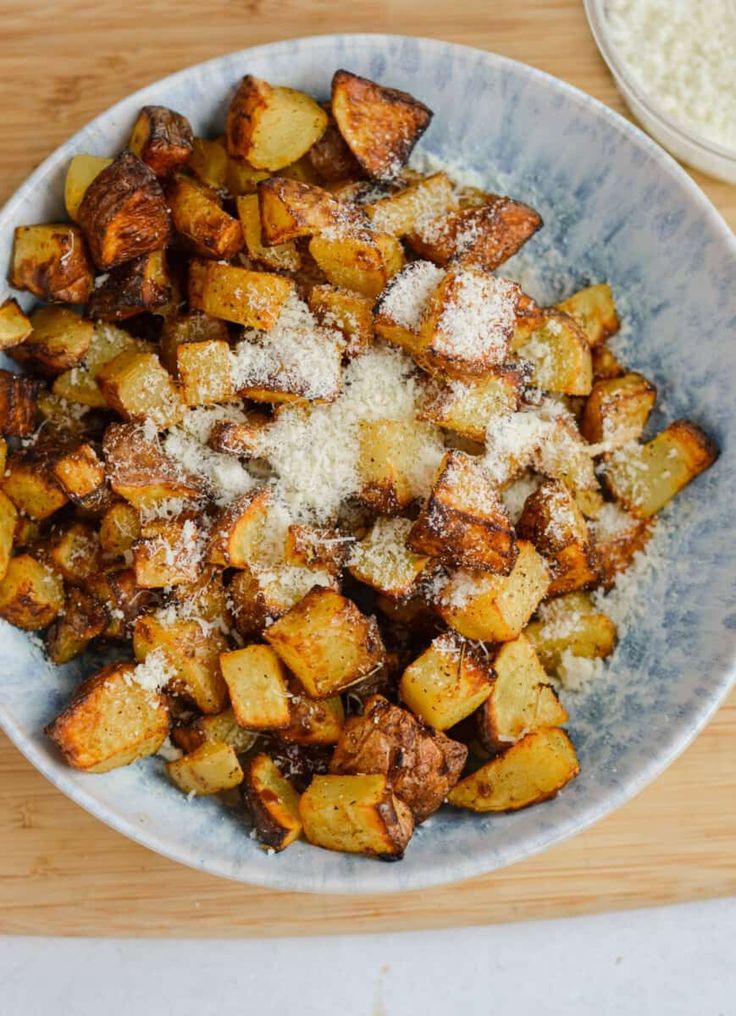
477,320
405,298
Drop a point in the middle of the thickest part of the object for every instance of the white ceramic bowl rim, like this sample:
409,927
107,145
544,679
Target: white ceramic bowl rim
668,748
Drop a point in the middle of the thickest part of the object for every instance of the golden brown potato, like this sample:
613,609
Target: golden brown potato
619,536
495,608
311,721
139,471
31,593
281,257
271,127
252,299
446,683
14,325
593,308
617,409
272,802
81,475
205,372
380,125
467,408
60,339
384,561
290,209
51,262
403,212
401,309
327,643
534,769
80,174
31,486
360,261
79,384
138,387
74,551
420,765
119,529
209,769
317,547
221,728
206,598
645,477
391,457
170,552
198,217
162,139
605,364
355,814
240,439
330,157
350,313
123,213
190,327
238,530
110,722
560,356
124,600
83,619
209,162
256,680
463,522
142,284
17,404
571,624
255,601
522,698
8,524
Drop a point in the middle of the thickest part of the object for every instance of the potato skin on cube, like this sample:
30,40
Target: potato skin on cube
327,642
209,769
162,139
14,325
312,721
217,728
380,125
110,722
141,473
357,815
534,769
290,209
18,397
272,802
52,263
236,535
446,683
84,618
140,285
81,475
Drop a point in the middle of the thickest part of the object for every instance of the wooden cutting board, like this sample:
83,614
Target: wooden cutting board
61,871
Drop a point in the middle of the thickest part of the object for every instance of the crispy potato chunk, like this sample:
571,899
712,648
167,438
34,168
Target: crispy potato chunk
495,608
60,340
162,139
209,163
17,404
617,410
242,439
402,306
571,624
208,770
124,600
119,529
252,299
14,325
605,364
139,387
463,522
81,475
281,257
74,551
403,212
380,125
220,728
80,174
193,654
272,127
290,209
142,284
392,462
168,553
198,217
31,487
619,536
190,327
123,213
258,599
356,814
79,384
8,523
522,698
467,408
360,261
256,680
83,619
31,593
534,769
51,262
237,533
593,308
645,477
317,547
205,598
350,313
272,802
140,472
312,722
560,356
446,683
330,157
421,765
327,643
110,722
205,372
383,560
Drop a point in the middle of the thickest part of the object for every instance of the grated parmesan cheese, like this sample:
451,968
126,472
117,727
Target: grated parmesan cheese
154,673
405,299
576,673
476,323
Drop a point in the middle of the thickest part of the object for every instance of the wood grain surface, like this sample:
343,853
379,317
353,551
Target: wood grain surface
61,871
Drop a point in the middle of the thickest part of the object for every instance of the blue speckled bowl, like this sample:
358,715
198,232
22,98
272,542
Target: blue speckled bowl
616,207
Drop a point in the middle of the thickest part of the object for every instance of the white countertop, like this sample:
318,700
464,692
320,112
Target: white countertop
660,962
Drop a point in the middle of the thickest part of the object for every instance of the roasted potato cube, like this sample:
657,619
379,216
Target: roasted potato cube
467,408
605,364
270,126
552,521
357,260
162,139
404,212
170,552
383,560
197,215
209,162
446,683
192,651
242,440
140,472
534,769
238,530
123,213
17,404
571,624
350,313
356,814
495,608
593,308
80,174
142,284
290,209
252,299
564,455
281,257
401,308
81,475
123,598
483,235
645,477
191,327
616,411
119,529
396,461
8,523
256,680
206,598
522,698
221,728
110,722
272,802
14,325
205,372
208,770
420,765
326,641
51,262
317,547
80,383
32,488
463,522
74,551
137,386
330,157
31,593
60,340
380,125
312,721
83,619
298,362
619,536
560,356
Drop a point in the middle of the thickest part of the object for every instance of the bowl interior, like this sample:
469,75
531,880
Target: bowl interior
615,208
